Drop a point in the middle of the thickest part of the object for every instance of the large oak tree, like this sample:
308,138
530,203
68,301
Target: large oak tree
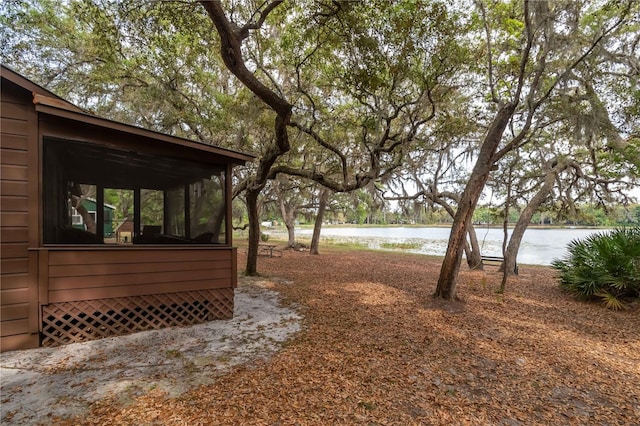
531,49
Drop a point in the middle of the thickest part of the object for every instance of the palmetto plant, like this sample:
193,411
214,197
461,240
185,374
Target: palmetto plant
603,266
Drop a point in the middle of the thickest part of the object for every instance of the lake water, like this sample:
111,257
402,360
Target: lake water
538,247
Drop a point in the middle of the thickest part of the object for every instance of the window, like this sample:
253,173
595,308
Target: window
96,195
76,219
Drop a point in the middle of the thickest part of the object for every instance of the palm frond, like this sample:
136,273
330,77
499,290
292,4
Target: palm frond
602,265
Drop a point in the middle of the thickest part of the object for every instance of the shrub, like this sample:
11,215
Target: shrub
264,237
603,266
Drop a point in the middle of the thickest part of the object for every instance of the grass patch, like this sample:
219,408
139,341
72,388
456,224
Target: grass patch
337,242
401,246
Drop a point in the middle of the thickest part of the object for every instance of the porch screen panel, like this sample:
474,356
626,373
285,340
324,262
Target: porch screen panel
207,210
151,208
175,220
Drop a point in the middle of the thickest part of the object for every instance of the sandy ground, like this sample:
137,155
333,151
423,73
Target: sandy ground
38,384
375,348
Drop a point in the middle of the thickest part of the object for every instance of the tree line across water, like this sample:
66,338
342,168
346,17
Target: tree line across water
355,212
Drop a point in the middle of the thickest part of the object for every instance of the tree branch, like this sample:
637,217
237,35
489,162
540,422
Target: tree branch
255,25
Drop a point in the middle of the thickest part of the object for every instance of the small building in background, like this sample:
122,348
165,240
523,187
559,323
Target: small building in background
89,204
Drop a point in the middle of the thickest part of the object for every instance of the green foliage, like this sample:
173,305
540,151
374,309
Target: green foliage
493,216
151,64
152,207
264,237
594,215
122,200
350,69
603,266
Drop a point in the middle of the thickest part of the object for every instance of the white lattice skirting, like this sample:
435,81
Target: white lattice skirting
70,322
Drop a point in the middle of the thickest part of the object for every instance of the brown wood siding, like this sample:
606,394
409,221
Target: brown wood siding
123,278
105,255
13,156
12,190
15,104
17,306
14,266
20,341
14,295
13,250
16,311
12,126
13,173
135,268
137,290
14,219
14,281
97,273
13,235
13,108
19,326
14,141
11,203
234,266
14,301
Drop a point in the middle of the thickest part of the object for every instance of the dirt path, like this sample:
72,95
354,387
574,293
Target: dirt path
45,383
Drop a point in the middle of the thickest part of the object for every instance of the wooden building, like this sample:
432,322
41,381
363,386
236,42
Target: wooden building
90,205
61,284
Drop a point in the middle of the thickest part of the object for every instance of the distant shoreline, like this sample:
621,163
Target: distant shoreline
540,245
477,226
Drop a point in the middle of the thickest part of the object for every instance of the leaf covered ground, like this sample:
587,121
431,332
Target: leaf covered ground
377,349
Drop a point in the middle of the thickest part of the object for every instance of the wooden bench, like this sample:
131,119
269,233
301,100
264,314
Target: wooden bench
496,261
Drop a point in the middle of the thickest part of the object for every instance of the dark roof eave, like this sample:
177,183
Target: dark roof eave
233,156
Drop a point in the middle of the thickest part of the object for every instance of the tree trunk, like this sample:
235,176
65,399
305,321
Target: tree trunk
447,280
291,232
511,253
505,231
231,39
505,271
215,223
471,247
82,211
254,231
317,227
472,250
288,216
